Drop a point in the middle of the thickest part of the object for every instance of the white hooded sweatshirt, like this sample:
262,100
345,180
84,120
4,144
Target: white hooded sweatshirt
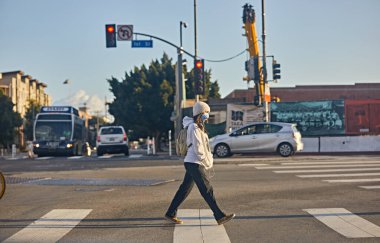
199,152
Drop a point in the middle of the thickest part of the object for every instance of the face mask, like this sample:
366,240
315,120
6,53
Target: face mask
205,116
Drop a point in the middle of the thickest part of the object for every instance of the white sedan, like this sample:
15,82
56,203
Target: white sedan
283,138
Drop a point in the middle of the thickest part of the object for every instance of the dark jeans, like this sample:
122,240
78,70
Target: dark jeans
195,173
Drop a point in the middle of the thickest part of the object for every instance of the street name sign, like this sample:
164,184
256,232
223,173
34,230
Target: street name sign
142,43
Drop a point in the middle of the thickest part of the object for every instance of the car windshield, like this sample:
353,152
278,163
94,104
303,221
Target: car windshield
111,130
53,131
258,129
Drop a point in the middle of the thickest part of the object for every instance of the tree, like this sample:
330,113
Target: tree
214,90
144,99
9,121
30,115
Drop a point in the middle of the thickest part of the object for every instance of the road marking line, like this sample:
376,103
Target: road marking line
51,227
315,166
135,155
370,187
345,223
44,158
199,225
338,175
106,156
75,157
241,159
352,180
326,170
247,165
328,163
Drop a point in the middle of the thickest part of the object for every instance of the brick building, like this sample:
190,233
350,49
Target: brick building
358,91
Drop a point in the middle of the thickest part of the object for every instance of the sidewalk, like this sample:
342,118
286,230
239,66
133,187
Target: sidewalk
17,156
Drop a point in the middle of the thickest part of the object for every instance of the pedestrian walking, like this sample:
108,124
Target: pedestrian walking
29,148
197,161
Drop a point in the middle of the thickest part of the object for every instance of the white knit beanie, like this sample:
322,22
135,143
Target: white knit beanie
200,107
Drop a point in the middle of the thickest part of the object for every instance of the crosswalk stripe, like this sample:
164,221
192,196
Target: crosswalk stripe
370,187
315,166
352,180
51,227
199,226
249,165
338,175
328,163
326,170
345,223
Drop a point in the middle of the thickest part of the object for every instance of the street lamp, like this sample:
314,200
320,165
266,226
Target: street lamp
181,23
180,89
67,81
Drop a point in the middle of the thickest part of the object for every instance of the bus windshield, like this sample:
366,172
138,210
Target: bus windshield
53,131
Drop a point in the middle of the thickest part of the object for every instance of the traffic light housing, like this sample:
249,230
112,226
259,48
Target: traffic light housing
110,35
276,70
252,68
199,76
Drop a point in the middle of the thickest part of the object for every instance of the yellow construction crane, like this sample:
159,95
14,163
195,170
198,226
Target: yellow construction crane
253,66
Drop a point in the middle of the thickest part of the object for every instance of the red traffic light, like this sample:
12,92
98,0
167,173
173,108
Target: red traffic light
110,35
199,64
110,29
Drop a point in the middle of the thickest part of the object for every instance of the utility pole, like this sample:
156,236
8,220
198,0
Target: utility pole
266,86
195,39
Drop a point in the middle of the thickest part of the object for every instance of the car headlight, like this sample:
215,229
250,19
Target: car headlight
36,145
69,145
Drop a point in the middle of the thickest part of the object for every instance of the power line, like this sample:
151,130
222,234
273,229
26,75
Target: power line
227,59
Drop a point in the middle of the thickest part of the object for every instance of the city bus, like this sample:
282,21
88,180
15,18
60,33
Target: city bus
58,130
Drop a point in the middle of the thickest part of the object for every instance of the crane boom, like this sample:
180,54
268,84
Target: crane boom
249,19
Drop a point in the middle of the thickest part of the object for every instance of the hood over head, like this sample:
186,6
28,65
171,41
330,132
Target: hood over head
187,121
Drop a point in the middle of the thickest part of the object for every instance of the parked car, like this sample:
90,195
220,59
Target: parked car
283,138
112,139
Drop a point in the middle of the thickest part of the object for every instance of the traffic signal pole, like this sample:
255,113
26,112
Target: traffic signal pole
195,40
180,96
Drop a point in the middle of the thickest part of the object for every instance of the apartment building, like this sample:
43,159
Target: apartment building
22,89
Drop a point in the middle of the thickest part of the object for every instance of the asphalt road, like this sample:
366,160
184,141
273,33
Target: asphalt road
120,199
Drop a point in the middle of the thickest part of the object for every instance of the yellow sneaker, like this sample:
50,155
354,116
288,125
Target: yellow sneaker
174,220
225,219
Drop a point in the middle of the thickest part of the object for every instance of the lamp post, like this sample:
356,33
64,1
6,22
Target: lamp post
181,23
180,90
67,81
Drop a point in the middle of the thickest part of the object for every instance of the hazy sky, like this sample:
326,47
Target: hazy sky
316,42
